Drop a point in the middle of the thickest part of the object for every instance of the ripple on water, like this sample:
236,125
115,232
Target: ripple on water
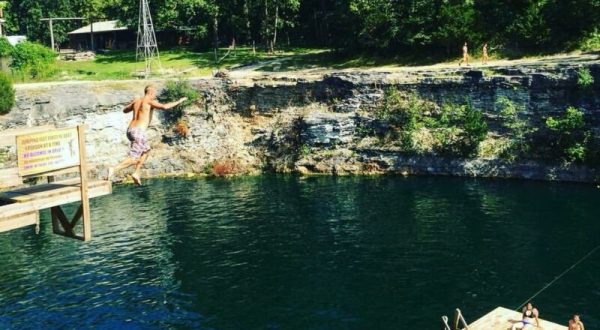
287,252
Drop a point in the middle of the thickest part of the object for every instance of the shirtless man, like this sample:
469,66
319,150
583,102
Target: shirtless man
575,323
136,132
530,318
465,58
485,57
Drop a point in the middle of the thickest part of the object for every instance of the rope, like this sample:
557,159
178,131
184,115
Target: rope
558,277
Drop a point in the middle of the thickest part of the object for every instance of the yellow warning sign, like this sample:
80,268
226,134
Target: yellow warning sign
48,151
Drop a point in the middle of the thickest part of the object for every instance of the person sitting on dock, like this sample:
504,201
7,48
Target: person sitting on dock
530,318
136,132
575,323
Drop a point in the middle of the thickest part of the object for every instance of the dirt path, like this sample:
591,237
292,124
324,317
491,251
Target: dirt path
254,71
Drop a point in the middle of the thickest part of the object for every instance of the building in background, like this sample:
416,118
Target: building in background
106,34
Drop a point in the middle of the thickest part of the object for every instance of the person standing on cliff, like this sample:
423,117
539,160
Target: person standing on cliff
485,57
143,109
465,57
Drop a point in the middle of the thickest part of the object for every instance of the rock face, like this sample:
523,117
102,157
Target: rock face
307,126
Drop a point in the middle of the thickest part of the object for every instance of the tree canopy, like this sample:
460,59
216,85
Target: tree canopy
439,26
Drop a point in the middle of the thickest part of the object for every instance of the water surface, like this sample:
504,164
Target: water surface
282,252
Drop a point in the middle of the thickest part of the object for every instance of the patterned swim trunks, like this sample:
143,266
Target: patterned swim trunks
139,142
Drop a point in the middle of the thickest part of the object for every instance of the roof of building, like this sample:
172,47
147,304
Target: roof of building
106,26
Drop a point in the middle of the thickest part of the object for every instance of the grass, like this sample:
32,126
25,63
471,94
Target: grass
175,62
182,62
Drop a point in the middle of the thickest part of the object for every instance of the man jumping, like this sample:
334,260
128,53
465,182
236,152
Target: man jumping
136,132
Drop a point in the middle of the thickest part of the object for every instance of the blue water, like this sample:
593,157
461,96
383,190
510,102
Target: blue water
283,252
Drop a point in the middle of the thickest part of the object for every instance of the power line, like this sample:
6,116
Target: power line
558,277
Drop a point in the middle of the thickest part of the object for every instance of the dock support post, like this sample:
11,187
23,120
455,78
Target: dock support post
85,202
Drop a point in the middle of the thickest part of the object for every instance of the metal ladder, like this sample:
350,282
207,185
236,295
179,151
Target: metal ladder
458,318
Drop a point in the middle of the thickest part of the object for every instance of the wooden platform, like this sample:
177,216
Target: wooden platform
503,318
20,207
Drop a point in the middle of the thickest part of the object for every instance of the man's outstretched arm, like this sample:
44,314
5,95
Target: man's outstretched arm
167,106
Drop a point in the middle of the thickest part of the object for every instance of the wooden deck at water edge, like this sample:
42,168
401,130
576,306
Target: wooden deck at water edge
503,318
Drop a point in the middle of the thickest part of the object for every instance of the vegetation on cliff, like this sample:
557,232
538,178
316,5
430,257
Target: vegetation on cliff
7,94
421,127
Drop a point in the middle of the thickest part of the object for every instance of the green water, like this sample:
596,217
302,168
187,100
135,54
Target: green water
282,252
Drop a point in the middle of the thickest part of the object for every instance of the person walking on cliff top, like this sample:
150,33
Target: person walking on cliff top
484,51
465,57
143,109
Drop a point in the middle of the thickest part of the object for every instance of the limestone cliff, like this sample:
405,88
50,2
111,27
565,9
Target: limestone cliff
315,125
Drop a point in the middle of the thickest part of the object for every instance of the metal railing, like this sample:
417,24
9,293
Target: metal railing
458,319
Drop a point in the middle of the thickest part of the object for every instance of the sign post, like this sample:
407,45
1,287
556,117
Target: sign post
55,151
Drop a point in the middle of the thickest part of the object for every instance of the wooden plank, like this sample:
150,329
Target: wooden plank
47,190
503,318
85,202
9,137
9,177
59,194
25,219
66,170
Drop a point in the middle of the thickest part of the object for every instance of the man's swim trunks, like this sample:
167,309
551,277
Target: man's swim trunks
139,142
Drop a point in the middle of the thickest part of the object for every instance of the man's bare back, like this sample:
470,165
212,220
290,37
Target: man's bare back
142,109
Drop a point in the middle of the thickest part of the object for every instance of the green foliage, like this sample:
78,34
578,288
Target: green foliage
460,129
5,47
7,94
585,79
175,90
32,60
454,130
181,88
427,26
519,129
304,150
570,139
591,42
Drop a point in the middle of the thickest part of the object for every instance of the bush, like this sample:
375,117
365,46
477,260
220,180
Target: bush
569,138
585,79
6,48
592,42
174,91
32,60
519,130
7,94
178,89
455,130
459,130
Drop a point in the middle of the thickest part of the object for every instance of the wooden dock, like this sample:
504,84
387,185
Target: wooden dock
48,152
503,318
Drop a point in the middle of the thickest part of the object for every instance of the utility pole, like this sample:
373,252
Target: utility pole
51,19
147,48
2,20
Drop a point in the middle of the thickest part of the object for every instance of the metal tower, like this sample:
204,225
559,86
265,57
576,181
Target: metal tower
147,48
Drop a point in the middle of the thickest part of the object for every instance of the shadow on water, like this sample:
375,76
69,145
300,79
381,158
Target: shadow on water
286,252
